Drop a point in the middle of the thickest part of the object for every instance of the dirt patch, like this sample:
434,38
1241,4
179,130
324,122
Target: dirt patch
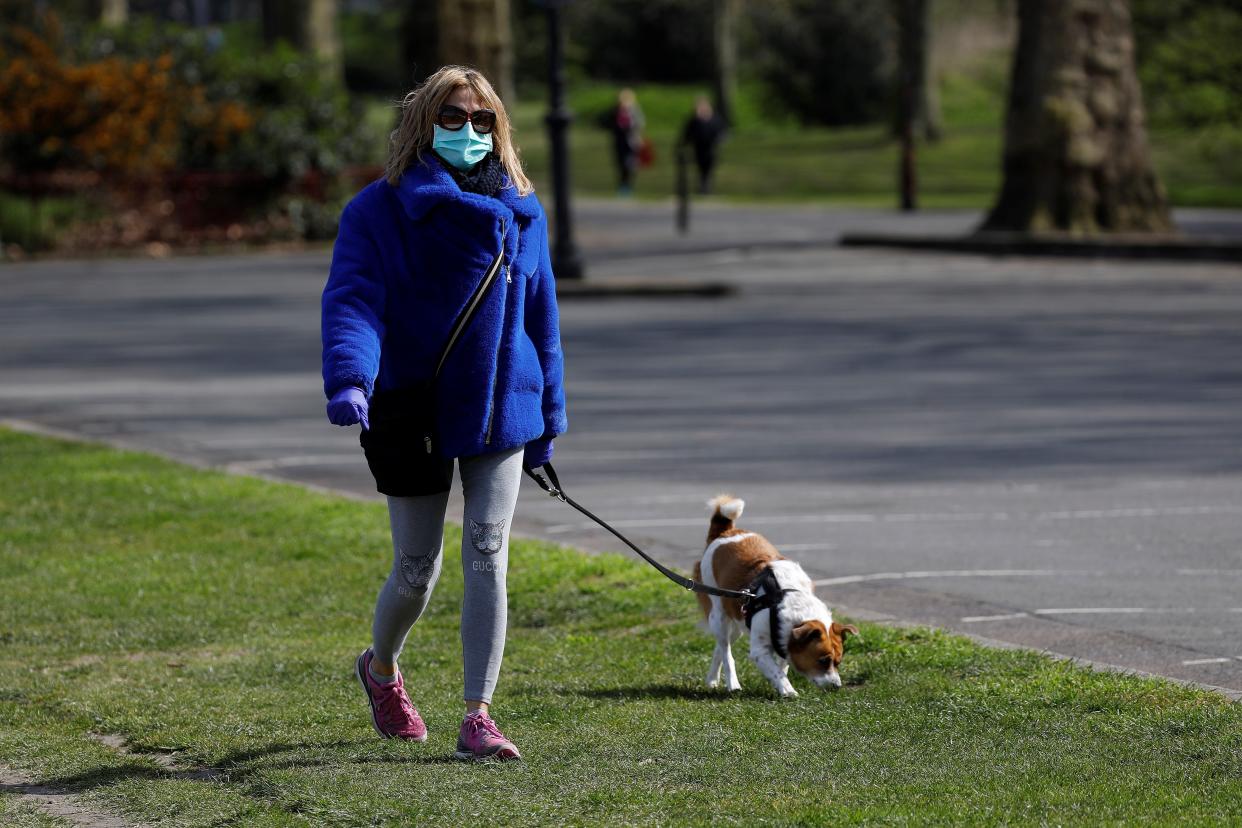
58,802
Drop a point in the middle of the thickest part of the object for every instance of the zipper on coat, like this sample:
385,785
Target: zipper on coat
491,414
488,277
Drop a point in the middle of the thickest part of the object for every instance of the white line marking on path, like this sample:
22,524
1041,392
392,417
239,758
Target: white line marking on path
952,573
1208,661
1131,610
924,517
1105,610
972,619
1009,573
807,547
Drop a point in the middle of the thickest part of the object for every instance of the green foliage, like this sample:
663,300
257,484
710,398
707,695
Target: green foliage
30,223
825,61
372,52
299,119
648,40
1190,61
312,220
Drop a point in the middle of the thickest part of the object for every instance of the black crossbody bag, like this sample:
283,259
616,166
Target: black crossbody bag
401,445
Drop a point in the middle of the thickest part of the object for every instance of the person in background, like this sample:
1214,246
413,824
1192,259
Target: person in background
703,132
627,137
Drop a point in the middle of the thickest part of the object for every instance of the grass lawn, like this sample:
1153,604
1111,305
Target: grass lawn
771,160
215,619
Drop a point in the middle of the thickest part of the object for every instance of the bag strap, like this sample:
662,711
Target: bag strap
476,299
549,483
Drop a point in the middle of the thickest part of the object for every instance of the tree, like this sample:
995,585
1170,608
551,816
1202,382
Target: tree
309,25
725,75
916,84
478,33
1076,156
114,12
322,38
418,41
280,21
824,61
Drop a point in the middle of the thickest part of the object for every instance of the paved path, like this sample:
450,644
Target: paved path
1043,452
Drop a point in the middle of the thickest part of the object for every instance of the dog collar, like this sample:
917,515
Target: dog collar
768,596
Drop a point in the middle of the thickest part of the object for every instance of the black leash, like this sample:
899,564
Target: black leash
552,486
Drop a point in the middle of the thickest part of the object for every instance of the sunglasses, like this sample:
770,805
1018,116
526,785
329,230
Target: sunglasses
453,119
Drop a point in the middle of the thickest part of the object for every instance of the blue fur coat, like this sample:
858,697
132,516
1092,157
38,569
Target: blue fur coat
406,261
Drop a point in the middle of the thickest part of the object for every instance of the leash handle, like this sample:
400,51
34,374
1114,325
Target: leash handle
550,483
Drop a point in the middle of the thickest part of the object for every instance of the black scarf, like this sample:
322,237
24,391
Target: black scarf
484,178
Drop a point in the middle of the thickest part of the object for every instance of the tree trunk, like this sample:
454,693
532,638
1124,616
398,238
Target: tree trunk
418,41
310,26
478,33
725,76
918,91
114,12
1076,155
282,21
322,39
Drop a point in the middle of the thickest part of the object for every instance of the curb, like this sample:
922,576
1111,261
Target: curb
1206,249
641,289
996,644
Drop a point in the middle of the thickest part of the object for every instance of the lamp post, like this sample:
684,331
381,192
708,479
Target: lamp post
565,260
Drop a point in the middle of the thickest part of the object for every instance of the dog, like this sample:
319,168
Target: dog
788,624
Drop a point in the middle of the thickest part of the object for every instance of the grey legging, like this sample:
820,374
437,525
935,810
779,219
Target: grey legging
490,485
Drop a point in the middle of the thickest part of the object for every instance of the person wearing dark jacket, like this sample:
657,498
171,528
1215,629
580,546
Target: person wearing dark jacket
453,231
703,132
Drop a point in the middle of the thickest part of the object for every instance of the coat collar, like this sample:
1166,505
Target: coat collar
426,183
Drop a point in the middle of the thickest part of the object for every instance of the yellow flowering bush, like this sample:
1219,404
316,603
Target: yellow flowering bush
107,114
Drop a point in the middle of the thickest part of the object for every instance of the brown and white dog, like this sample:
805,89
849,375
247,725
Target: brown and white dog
797,628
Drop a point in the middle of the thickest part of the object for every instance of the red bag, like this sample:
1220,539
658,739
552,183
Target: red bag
646,153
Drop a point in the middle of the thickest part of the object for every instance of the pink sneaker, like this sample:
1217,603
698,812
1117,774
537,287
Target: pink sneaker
391,711
480,740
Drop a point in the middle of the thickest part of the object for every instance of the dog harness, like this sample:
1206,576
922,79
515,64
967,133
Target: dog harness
768,596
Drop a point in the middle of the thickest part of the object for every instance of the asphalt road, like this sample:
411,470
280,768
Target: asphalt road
1043,452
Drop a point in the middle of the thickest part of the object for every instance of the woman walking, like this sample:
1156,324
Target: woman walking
441,338
627,123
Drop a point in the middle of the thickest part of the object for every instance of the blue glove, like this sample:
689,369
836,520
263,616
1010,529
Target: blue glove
537,452
349,406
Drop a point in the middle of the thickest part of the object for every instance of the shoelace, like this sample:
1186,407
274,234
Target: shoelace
485,724
395,706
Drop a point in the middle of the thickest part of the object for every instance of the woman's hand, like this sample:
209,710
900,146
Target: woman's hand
349,406
537,453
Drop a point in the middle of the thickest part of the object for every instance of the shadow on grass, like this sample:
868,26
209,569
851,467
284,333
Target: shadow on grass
233,768
298,759
670,691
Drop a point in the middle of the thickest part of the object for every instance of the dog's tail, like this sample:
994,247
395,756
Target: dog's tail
725,510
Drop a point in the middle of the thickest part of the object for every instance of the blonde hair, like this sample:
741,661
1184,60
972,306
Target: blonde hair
419,109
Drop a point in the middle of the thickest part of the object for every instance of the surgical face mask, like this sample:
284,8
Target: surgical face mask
463,148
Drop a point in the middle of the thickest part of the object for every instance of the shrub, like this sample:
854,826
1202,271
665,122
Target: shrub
201,140
630,40
108,114
1190,62
296,118
825,61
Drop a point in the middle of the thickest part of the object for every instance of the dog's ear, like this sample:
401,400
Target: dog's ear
844,630
806,633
